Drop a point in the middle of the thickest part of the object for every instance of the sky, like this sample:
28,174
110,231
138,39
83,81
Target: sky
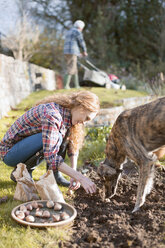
8,15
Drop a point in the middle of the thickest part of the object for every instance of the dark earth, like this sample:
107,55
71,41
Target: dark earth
112,224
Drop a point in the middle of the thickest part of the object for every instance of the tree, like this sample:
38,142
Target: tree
50,47
60,15
23,38
124,33
51,13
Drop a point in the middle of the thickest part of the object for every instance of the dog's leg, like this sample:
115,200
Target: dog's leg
146,162
146,176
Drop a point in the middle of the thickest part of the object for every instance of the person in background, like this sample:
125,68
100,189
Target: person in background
74,42
44,127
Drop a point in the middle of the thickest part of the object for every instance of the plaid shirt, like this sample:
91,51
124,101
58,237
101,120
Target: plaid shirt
74,41
51,119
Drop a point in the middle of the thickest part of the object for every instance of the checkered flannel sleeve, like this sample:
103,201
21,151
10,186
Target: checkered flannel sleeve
52,139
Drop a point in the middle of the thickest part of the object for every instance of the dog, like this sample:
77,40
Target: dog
138,134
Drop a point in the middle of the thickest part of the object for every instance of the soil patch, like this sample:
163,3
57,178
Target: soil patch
112,224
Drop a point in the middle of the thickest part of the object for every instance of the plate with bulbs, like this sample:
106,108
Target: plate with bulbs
44,213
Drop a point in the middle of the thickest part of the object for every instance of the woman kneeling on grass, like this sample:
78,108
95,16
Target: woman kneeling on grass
44,127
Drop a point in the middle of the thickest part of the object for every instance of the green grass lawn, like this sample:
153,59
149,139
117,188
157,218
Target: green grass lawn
13,235
107,97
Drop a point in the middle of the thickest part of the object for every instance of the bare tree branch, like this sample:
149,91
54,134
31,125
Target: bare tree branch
23,39
51,12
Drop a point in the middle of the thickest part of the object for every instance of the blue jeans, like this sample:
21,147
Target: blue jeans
23,150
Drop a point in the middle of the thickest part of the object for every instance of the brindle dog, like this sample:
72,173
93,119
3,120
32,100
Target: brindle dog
136,134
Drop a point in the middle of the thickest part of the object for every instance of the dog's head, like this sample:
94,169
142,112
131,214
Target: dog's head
108,170
109,176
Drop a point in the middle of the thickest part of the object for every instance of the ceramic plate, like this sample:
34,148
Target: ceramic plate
71,211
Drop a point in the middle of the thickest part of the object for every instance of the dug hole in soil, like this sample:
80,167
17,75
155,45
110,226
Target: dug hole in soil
112,224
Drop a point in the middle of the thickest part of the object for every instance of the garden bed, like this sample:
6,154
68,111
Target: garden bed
111,225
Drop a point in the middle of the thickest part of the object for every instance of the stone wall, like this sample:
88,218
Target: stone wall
18,79
108,116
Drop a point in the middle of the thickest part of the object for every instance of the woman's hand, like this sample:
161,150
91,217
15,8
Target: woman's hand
88,185
74,185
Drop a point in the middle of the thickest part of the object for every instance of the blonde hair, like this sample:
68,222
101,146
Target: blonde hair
76,137
86,99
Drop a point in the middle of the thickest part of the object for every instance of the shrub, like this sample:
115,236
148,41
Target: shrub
94,145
